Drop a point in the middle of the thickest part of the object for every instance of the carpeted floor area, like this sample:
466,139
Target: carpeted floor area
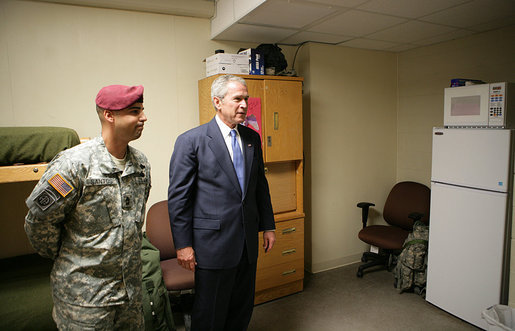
338,300
331,300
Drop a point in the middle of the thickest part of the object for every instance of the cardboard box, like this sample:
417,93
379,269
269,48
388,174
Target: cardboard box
225,58
223,63
256,61
235,69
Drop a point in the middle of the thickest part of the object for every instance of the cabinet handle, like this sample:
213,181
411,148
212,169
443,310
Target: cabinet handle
289,251
266,170
35,170
289,230
276,121
289,272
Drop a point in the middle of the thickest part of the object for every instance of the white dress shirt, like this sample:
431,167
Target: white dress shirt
226,133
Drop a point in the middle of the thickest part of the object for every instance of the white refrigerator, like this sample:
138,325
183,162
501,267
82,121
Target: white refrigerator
469,219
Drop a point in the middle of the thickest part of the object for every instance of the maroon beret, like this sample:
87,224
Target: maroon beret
117,97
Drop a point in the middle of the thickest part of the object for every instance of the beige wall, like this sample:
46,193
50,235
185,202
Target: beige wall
54,59
367,114
350,103
423,74
357,146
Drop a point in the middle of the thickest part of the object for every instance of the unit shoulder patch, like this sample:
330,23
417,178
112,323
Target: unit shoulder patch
45,199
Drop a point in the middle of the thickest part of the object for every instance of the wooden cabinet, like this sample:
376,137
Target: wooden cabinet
281,271
281,113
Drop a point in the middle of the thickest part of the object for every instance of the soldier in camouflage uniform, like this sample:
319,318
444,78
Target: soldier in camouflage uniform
87,213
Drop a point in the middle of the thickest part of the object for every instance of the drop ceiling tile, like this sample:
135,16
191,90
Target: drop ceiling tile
410,32
495,24
254,34
408,8
315,37
444,37
369,44
287,14
473,13
402,48
356,23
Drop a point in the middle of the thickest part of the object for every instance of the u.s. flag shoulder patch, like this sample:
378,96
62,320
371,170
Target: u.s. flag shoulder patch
60,185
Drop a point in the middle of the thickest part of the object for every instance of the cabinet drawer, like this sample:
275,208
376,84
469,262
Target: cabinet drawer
289,245
280,274
283,189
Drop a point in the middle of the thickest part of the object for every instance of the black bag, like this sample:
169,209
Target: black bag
273,57
156,304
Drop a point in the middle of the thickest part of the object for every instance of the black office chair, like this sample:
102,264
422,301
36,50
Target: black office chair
406,203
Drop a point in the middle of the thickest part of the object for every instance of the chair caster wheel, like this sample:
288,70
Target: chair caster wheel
359,274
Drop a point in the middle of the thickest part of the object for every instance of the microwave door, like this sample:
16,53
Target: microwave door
466,105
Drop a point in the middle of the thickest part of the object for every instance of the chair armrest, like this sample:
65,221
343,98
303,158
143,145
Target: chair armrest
364,211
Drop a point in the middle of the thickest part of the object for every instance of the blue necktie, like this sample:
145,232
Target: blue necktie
237,159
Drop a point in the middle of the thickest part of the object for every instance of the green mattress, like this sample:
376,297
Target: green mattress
25,294
26,145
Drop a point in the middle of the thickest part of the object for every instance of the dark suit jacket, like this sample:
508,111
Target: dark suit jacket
207,209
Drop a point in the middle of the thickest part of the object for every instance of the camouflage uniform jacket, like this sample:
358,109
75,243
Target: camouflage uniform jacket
87,215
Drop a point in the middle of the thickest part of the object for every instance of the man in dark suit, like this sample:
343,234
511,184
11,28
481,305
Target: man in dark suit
218,201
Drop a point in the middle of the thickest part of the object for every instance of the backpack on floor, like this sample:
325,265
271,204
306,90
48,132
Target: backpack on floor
156,304
410,271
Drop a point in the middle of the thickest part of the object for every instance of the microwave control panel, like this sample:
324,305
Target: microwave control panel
497,104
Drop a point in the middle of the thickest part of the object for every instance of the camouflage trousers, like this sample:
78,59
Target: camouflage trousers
120,317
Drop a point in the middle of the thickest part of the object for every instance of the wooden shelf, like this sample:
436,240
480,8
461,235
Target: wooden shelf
22,173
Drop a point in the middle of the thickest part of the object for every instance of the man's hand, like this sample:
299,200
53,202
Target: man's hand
268,240
186,258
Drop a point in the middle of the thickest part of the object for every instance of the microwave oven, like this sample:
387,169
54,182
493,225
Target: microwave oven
482,105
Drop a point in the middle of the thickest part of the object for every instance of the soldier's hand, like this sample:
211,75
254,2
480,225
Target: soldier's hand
186,258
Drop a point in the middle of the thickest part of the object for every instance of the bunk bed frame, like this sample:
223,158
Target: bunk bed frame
22,173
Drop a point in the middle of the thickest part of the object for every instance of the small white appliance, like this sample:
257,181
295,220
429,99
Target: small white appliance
482,105
471,185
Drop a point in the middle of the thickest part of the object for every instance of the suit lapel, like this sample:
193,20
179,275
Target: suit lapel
219,148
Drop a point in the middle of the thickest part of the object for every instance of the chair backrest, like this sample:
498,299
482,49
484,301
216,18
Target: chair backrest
404,199
158,230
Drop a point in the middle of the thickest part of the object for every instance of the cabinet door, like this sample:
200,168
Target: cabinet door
282,181
282,117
